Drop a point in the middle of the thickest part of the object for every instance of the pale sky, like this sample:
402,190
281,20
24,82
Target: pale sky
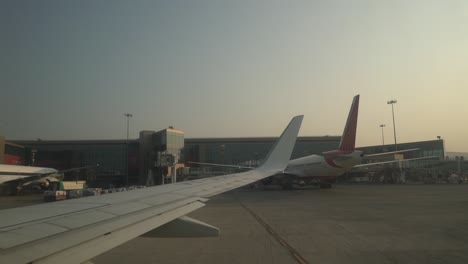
70,69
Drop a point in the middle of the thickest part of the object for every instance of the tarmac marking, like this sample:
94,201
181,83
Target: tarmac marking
272,232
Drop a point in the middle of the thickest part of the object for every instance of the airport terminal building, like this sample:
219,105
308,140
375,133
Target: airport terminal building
156,154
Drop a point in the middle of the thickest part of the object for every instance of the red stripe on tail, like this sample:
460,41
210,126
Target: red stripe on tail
348,139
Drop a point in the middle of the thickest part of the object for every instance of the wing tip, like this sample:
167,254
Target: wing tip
281,151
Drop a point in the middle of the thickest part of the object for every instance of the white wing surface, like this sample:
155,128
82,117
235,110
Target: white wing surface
15,172
222,165
74,231
391,152
393,161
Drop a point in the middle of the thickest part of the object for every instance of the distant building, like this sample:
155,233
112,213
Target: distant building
111,155
11,153
425,148
153,150
250,151
455,155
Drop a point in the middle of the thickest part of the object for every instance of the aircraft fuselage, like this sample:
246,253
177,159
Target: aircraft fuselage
322,167
15,172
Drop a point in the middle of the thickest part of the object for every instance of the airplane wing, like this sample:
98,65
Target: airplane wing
74,231
10,173
221,165
391,152
26,175
392,161
53,176
79,168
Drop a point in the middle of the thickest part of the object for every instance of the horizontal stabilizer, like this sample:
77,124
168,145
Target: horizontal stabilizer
394,161
221,165
392,152
184,227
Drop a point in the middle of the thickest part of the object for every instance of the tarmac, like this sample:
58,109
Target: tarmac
345,224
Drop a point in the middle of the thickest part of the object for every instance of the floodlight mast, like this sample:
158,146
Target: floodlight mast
383,140
392,102
127,115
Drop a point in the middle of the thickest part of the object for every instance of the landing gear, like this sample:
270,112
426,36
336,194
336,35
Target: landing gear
287,185
286,181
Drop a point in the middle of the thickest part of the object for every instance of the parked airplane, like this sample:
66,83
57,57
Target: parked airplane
17,176
324,169
332,164
14,172
77,230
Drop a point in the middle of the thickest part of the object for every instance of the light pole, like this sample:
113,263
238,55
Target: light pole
127,115
383,140
392,102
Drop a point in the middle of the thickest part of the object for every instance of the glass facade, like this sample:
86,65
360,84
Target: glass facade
425,149
169,141
411,171
157,150
110,155
250,151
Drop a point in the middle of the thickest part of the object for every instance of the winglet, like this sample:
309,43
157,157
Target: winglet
278,158
348,139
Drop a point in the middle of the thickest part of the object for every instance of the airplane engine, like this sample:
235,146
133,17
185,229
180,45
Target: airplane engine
44,185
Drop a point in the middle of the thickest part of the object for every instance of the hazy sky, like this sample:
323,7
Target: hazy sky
70,69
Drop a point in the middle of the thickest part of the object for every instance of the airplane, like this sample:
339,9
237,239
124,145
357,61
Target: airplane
15,172
332,164
323,170
18,176
77,230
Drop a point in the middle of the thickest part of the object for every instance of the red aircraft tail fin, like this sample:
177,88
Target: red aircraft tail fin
348,139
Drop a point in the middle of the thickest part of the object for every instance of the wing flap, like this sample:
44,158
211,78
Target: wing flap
184,227
12,218
101,244
164,198
22,235
34,247
126,208
83,219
